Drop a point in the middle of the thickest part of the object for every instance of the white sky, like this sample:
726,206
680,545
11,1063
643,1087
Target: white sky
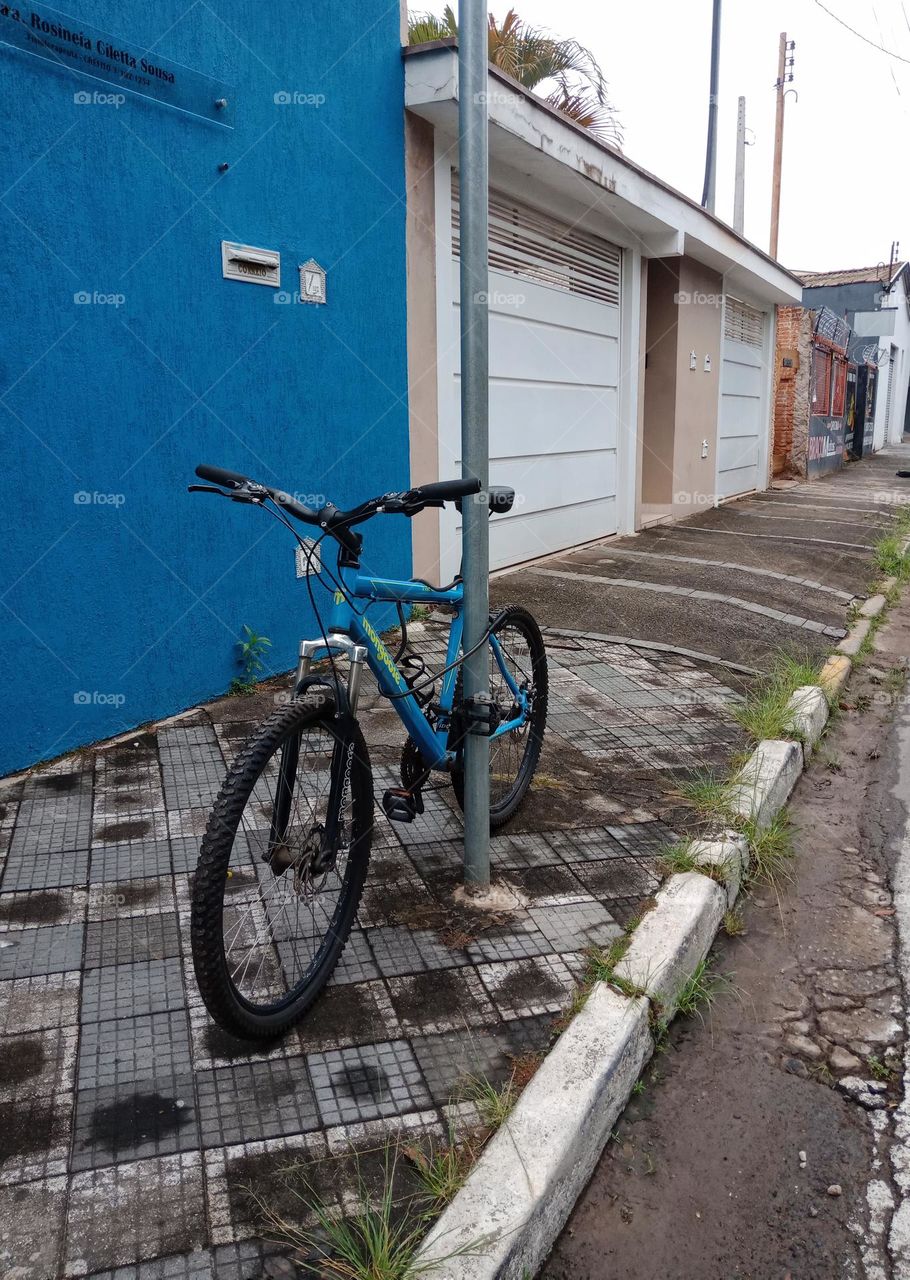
846,173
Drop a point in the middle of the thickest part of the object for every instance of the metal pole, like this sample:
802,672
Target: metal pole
778,143
473,178
739,188
707,197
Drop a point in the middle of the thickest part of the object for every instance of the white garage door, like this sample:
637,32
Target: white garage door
554,369
742,411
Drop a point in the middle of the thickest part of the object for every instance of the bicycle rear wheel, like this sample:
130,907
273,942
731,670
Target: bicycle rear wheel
513,755
274,897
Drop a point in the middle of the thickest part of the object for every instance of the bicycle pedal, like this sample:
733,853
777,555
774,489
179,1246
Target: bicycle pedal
402,806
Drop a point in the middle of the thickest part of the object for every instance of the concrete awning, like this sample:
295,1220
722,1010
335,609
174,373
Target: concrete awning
605,192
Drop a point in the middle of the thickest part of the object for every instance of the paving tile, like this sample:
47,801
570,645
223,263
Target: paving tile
510,942
366,1082
397,902
441,1000
214,1047
42,907
575,926
133,860
453,1061
26,871
401,950
617,878
278,1171
128,939
35,1137
33,1215
353,1013
245,1259
132,990
124,1213
38,1064
52,949
149,1048
129,828
134,1121
255,1100
54,814
45,1000
198,1265
523,987
130,898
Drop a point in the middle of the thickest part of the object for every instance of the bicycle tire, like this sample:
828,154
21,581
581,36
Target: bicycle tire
502,808
232,1009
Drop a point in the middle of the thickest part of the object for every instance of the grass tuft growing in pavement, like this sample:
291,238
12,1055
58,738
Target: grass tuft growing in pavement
708,795
442,1168
700,992
381,1240
494,1102
765,714
772,849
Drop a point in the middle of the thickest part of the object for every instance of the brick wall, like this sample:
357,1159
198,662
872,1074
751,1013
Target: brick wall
791,391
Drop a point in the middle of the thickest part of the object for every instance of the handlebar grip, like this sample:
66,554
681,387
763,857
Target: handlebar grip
447,490
218,475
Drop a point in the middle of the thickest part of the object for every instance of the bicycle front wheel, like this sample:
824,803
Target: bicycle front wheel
278,882
519,654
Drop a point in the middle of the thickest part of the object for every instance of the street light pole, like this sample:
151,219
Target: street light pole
707,196
474,277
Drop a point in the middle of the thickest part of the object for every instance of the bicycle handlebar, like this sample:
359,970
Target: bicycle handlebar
335,522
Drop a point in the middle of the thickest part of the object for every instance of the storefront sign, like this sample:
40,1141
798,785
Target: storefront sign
72,45
826,444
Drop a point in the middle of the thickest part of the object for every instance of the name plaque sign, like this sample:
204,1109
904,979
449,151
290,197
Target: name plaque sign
70,44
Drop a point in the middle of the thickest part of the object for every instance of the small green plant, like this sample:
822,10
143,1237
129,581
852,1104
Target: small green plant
679,857
707,794
638,1088
889,557
771,848
880,1068
701,991
734,925
765,713
419,613
251,651
441,1168
494,1102
382,1240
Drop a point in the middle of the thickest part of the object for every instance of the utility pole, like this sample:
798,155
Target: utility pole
475,434
785,62
739,189
707,195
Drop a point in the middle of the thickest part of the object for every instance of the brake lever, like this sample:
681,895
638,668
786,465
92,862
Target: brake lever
237,496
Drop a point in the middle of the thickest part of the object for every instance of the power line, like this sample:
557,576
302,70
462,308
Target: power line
859,35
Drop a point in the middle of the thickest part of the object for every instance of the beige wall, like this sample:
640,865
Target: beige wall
697,392
421,300
681,404
660,381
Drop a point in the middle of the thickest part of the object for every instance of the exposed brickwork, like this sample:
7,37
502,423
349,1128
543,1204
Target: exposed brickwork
791,391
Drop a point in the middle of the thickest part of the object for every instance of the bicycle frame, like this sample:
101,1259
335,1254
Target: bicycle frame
350,631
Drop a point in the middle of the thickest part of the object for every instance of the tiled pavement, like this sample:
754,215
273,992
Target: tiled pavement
132,1129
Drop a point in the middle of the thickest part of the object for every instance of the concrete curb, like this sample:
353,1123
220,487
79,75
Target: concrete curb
522,1189
763,785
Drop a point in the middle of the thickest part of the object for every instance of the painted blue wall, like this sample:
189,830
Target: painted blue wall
138,602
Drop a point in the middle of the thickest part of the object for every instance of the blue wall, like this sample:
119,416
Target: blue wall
140,602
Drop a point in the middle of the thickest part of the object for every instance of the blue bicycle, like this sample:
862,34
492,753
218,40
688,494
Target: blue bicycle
284,858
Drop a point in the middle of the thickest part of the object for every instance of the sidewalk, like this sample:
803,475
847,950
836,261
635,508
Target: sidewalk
132,1129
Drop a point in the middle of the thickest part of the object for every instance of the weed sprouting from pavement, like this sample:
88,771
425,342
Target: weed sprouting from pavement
880,1068
708,795
734,925
679,857
700,992
772,849
381,1240
494,1102
765,712
441,1168
890,559
251,651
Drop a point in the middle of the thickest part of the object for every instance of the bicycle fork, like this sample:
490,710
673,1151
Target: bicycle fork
278,854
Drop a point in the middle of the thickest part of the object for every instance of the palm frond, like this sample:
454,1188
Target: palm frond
423,27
